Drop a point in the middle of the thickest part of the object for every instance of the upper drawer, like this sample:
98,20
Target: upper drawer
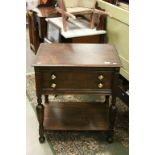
77,79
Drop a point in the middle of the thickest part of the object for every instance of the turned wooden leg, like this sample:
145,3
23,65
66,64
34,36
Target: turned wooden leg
106,102
110,136
64,22
107,99
55,95
112,116
92,22
46,99
40,116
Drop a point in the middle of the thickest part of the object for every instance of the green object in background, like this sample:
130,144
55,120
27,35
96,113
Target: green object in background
118,33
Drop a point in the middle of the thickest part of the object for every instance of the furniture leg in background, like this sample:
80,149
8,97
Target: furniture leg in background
46,99
113,108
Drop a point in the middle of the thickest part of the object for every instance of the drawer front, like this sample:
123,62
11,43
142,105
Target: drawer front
77,80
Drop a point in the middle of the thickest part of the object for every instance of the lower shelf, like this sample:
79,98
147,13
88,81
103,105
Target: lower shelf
76,116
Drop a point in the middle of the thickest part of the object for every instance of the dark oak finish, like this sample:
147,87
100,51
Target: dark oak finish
40,115
76,116
42,13
46,99
38,25
77,55
33,31
71,77
83,39
45,11
76,69
89,39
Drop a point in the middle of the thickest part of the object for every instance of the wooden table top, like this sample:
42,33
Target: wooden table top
77,55
45,11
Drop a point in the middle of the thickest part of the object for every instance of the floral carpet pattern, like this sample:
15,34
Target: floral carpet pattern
80,143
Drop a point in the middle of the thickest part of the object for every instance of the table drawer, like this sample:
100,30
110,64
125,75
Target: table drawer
77,80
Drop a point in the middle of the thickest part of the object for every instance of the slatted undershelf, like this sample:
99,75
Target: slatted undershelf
76,116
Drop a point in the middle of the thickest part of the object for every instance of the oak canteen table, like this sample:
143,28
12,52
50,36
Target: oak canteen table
76,69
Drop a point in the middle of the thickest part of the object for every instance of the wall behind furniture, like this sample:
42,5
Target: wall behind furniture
118,33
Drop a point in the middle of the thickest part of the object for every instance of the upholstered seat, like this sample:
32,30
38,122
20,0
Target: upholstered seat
80,3
78,9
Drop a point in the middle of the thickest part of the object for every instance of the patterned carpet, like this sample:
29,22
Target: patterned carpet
80,143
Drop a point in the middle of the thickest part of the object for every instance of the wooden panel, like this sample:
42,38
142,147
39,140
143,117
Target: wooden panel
88,39
29,16
45,11
118,34
125,68
116,12
33,31
42,13
76,116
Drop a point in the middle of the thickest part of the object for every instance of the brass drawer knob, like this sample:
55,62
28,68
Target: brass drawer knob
53,85
53,77
100,77
100,85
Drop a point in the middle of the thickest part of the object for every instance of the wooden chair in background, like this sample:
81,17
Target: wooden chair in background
74,8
